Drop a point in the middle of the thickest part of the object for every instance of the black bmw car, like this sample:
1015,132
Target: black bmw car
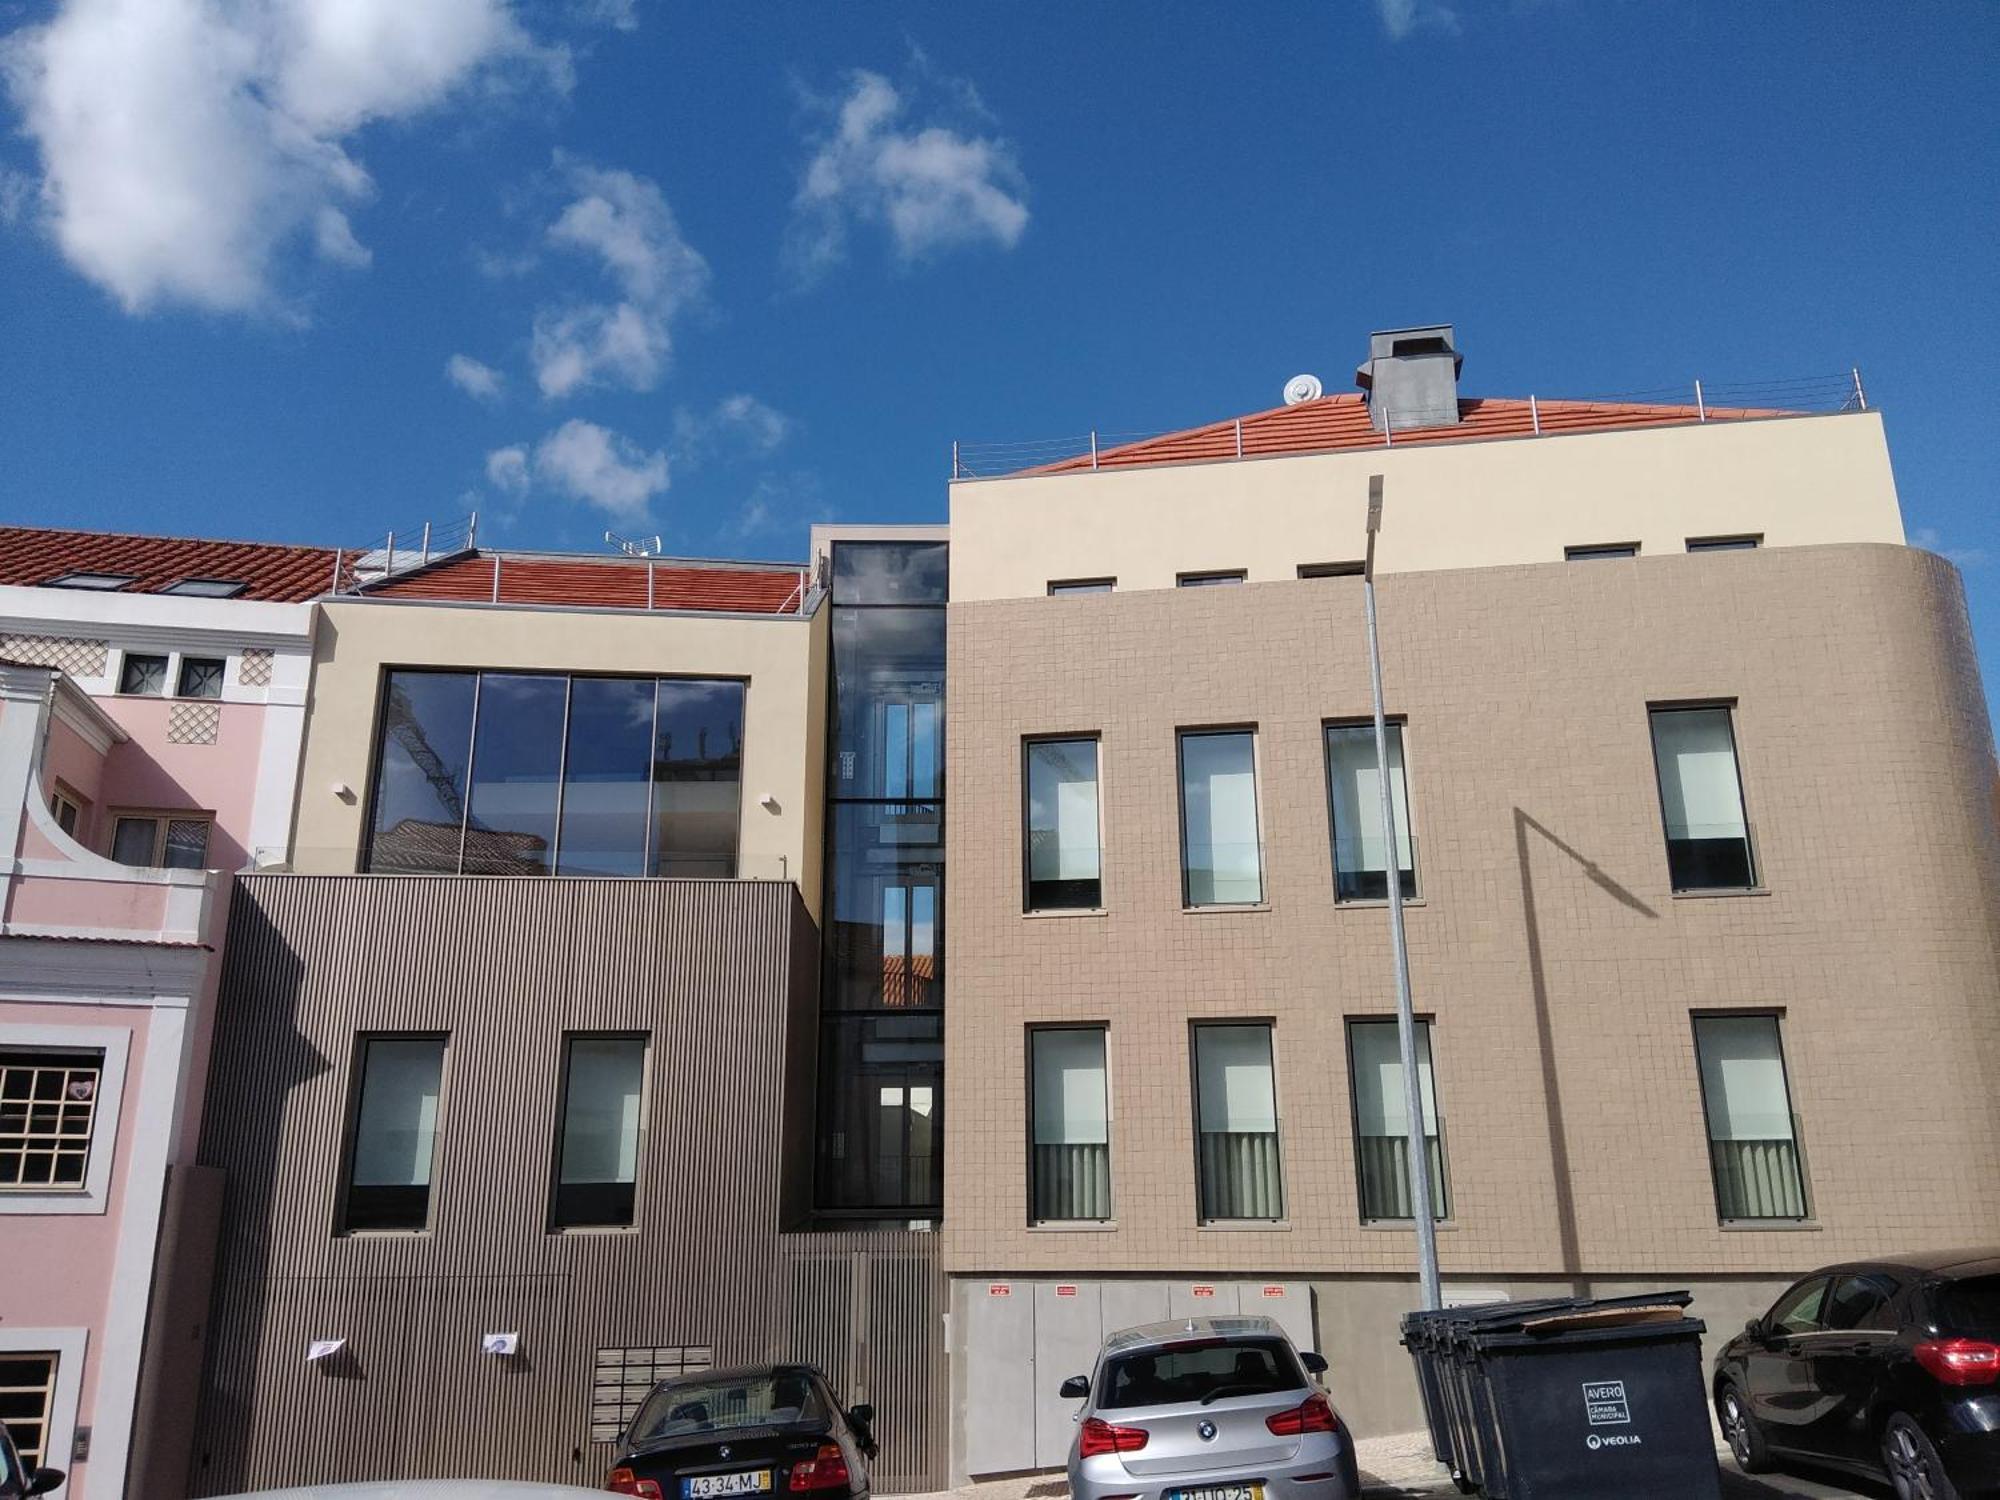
765,1430
1887,1368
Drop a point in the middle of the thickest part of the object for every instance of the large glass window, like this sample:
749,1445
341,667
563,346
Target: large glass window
1070,1119
1236,1124
890,572
1221,860
1354,795
1063,858
1382,1121
160,842
517,749
597,1167
881,1098
501,773
1701,798
888,669
697,778
885,948
1752,1140
399,1079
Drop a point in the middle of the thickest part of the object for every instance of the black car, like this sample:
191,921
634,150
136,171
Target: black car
760,1431
1888,1368
16,1480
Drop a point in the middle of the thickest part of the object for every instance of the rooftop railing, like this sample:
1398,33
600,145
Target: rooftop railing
1792,396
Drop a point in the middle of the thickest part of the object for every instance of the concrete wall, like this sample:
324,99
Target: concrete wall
1454,505
782,657
1558,965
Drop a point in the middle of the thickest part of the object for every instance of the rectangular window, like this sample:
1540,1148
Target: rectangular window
1604,549
516,773
1351,569
1354,798
880,1101
1752,1137
96,582
27,1406
156,841
1206,580
1724,543
886,883
603,1128
398,1080
201,676
1236,1123
48,1105
206,588
142,676
68,811
1701,800
1082,585
1070,1117
1063,854
1221,859
1382,1121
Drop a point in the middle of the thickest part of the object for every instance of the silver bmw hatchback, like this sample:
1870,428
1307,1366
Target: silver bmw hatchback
1207,1409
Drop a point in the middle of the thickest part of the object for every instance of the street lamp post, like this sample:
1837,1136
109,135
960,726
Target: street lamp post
1406,1023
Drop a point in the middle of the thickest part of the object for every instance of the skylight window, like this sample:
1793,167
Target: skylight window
103,582
207,588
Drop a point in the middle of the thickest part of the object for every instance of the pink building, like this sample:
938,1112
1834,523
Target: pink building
152,693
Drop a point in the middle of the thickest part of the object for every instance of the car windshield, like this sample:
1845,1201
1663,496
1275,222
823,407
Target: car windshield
1970,1306
691,1407
1199,1370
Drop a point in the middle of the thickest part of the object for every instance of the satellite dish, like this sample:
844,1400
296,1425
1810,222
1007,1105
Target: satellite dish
1302,388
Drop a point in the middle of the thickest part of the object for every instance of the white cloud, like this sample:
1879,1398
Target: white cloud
1927,537
185,143
17,190
619,15
474,378
622,221
1401,17
598,467
932,187
740,421
507,470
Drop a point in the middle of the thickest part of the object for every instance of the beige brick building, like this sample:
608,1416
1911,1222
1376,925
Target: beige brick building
1603,1010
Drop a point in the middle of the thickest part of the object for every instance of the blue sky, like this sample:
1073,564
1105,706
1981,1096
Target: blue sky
720,270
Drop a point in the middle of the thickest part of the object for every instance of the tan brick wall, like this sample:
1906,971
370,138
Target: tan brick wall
1569,1090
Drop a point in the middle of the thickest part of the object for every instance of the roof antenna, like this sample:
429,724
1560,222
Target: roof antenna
644,547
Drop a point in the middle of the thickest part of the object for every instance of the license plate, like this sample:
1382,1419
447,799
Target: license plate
703,1486
1218,1492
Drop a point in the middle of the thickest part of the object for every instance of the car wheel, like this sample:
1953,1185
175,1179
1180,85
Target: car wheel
1745,1437
1915,1470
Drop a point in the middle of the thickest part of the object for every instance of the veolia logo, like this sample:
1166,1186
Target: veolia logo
1612,1440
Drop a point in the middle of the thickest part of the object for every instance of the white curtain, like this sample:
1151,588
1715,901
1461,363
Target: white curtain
394,1136
1237,1116
1219,809
1698,783
602,1113
1072,1125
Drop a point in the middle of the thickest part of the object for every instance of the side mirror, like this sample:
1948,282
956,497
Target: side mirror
1076,1388
43,1481
861,1415
1755,1328
1315,1363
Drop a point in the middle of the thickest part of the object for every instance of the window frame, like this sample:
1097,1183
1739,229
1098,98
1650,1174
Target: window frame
125,661
1776,1016
1181,736
114,1044
1353,568
1028,742
1733,541
160,817
1202,578
1400,724
1203,1219
357,1080
67,1345
1600,551
561,1134
62,795
1727,706
1103,1030
1441,1188
1064,587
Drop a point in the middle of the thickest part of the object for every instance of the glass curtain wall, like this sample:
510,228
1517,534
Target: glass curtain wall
881,1005
517,773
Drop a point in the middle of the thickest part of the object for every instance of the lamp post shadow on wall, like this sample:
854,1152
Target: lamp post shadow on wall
1524,823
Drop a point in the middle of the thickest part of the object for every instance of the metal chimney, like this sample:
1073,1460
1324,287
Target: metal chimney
1411,377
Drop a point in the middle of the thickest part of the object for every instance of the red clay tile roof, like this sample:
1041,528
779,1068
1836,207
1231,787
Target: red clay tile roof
273,572
614,582
1334,423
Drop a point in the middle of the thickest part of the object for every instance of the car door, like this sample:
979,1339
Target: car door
1848,1358
1777,1367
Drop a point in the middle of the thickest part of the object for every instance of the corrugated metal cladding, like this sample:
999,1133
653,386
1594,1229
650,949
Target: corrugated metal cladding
717,973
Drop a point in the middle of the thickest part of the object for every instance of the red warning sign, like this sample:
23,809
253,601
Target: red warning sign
1065,1290
1202,1291
999,1289
1274,1291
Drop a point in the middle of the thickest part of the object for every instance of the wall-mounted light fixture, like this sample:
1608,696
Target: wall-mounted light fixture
769,802
507,1344
320,1349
